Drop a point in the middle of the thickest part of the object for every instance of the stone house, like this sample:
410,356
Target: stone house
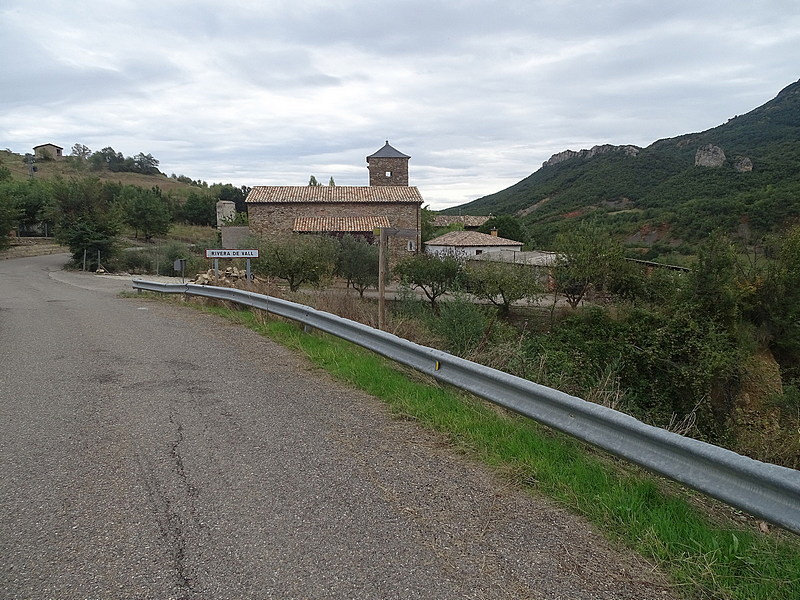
48,151
468,244
388,201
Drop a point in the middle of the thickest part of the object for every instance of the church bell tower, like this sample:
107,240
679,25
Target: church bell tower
388,166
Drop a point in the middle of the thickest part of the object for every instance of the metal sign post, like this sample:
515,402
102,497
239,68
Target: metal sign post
180,265
217,253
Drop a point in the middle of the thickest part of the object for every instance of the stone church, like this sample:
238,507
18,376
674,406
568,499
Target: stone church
388,201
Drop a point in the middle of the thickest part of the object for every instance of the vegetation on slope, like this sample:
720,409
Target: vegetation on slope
660,188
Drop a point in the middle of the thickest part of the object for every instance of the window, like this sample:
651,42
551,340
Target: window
388,173
478,252
411,246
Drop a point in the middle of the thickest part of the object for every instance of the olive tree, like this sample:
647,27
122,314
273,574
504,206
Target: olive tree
298,259
357,263
502,283
433,274
587,257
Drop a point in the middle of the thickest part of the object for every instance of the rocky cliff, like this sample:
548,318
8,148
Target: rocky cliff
593,151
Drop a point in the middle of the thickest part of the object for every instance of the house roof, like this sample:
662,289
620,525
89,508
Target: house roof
347,224
43,145
334,194
535,258
388,152
465,220
470,238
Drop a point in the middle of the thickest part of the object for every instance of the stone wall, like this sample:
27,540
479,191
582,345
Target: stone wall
234,236
275,219
225,210
379,167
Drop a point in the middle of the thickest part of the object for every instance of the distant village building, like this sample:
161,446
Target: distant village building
48,152
468,244
531,258
337,210
467,221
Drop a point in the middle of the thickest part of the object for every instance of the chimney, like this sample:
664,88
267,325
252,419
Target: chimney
494,231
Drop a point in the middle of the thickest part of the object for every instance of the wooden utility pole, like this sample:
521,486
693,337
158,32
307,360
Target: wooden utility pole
383,253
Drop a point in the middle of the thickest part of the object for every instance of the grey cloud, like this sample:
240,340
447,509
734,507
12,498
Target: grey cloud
478,92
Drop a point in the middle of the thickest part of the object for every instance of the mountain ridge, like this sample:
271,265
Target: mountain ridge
744,171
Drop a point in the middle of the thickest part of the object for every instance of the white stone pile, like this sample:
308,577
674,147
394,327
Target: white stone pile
227,276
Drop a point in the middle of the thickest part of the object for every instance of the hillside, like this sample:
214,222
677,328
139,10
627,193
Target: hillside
743,176
68,168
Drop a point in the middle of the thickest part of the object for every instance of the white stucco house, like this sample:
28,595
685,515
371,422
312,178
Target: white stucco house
466,244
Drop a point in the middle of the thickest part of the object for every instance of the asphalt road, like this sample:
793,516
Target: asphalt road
150,451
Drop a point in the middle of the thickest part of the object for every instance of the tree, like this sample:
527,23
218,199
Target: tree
298,259
502,283
8,215
312,182
331,183
777,301
107,158
587,257
31,198
146,211
358,263
81,152
426,223
229,193
85,218
713,289
433,274
199,209
507,227
145,164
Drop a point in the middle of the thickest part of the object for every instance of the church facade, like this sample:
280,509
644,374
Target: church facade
388,201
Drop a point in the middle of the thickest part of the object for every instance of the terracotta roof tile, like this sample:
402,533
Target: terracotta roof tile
470,238
353,224
334,194
465,220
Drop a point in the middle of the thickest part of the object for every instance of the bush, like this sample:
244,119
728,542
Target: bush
134,260
460,323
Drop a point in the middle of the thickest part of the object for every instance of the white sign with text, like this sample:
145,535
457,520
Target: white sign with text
215,253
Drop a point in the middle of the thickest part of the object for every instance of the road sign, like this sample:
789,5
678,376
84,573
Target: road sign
217,253
395,232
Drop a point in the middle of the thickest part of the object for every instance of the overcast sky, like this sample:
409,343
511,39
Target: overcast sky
478,92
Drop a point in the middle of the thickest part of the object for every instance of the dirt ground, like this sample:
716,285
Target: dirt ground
22,247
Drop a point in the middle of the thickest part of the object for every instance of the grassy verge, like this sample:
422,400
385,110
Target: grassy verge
704,558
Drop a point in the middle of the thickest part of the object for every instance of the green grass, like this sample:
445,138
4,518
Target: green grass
703,558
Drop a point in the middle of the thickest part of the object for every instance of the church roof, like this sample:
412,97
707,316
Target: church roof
333,194
388,152
339,224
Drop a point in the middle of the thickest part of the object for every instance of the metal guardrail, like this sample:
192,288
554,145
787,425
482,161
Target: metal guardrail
768,491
